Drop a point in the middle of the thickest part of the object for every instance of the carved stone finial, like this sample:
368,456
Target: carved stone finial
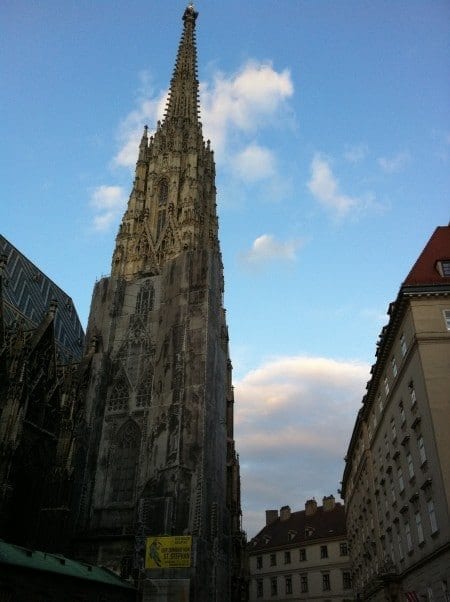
52,307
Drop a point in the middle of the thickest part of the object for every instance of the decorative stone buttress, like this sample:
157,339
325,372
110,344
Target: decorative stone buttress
159,448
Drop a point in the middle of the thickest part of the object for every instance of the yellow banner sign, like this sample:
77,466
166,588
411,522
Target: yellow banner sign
168,552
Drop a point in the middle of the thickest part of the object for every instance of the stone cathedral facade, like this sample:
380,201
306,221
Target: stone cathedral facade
155,381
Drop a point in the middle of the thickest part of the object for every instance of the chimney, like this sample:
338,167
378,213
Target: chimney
271,516
328,503
310,507
285,513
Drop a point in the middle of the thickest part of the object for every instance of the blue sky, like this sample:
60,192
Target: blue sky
331,126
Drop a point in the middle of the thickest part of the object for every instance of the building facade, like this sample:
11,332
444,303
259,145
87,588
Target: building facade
41,340
396,483
157,393
302,555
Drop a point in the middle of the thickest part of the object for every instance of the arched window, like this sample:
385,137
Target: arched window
163,192
144,393
146,298
118,400
161,222
124,462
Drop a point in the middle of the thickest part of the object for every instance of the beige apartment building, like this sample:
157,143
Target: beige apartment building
302,555
396,482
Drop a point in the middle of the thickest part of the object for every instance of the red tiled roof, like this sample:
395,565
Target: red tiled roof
425,271
325,525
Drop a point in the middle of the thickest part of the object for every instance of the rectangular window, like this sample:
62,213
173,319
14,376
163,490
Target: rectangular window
346,580
401,484
393,429
343,548
302,556
394,367
259,562
288,584
420,537
386,385
287,558
447,318
403,348
402,413
400,547
304,583
380,403
259,588
412,395
392,552
324,551
409,544
273,560
409,460
421,448
432,516
326,582
274,586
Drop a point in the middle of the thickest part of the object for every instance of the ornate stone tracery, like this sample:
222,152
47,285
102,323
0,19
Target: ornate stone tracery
118,399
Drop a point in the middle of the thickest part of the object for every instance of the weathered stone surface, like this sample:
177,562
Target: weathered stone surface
160,455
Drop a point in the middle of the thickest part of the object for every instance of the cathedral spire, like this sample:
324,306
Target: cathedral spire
183,99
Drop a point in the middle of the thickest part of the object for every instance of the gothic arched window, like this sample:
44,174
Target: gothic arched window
161,222
124,462
118,399
144,393
146,298
163,192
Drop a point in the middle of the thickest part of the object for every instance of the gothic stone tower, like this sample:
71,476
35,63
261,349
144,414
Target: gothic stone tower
160,457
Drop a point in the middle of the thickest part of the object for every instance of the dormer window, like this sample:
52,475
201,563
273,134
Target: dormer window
443,267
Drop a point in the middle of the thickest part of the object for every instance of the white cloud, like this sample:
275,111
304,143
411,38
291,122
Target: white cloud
325,188
148,111
375,315
266,247
395,163
243,101
109,203
234,107
294,418
356,153
254,163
